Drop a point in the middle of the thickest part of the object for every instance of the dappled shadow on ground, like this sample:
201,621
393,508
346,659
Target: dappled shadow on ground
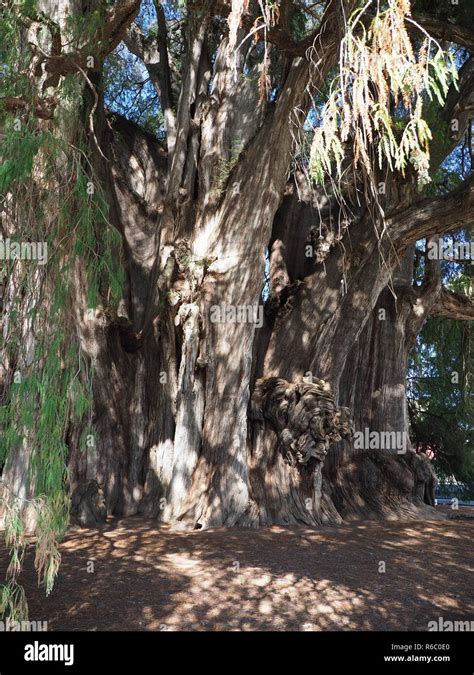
145,577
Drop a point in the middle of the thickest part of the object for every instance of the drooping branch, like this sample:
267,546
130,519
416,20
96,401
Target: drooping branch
439,29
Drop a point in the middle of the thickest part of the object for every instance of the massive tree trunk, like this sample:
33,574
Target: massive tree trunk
214,405
386,481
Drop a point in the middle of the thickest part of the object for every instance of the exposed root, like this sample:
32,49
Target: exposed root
380,484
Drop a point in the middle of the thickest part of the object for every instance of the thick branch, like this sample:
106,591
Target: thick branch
43,109
453,306
434,216
426,297
164,75
444,30
188,95
117,18
146,49
143,47
153,52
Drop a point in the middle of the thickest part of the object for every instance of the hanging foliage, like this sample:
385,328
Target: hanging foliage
49,194
377,99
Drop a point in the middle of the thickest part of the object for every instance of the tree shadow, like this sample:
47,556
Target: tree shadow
360,576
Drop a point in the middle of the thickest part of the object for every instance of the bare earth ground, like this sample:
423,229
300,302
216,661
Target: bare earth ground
282,578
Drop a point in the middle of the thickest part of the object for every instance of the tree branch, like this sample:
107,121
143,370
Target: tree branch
460,103
164,75
43,109
117,18
453,306
426,298
141,46
444,30
434,216
188,95
278,35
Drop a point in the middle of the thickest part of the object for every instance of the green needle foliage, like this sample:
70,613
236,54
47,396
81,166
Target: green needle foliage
51,195
441,399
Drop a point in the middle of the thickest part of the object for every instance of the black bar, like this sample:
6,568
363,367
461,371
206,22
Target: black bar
315,652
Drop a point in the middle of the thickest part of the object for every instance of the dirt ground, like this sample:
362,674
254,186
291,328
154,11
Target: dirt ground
133,575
